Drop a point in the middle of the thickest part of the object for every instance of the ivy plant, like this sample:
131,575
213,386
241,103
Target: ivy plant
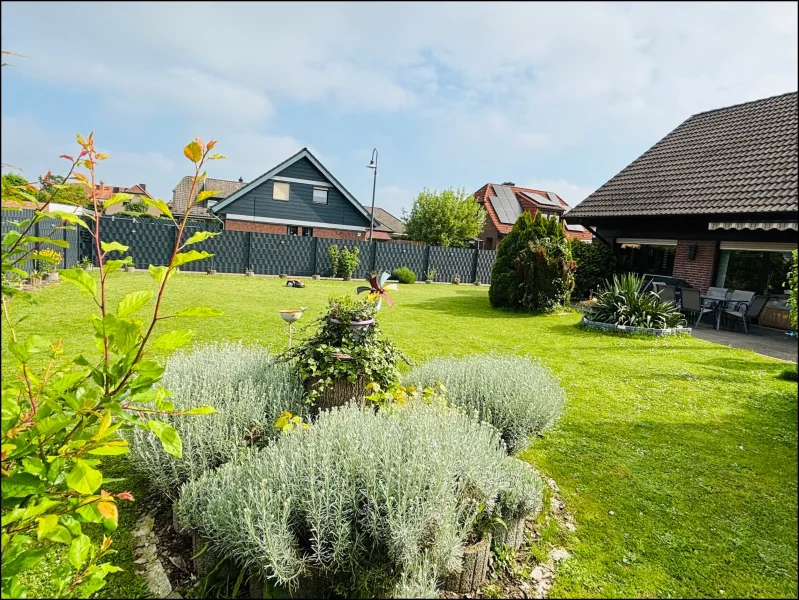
61,415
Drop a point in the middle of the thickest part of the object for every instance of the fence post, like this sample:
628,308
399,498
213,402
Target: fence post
474,264
426,261
315,257
249,250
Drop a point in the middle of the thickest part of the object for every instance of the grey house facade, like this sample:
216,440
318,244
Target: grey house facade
297,197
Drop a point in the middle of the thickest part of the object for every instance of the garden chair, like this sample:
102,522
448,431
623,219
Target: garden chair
667,293
745,312
737,300
692,303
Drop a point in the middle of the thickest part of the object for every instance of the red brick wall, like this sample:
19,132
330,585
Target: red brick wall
256,227
490,231
339,234
697,272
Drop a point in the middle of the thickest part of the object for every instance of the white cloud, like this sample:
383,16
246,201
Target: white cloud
393,198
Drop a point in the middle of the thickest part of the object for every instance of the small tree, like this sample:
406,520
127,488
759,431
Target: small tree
506,289
448,218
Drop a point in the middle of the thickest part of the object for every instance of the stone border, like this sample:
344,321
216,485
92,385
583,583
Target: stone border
146,559
626,329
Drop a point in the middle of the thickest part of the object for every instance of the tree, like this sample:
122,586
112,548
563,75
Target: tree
596,264
65,193
446,219
11,180
533,269
136,206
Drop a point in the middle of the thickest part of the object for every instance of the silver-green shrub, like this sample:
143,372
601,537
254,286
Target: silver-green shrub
397,491
516,395
248,388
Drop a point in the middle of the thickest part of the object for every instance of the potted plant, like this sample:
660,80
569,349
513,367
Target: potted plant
430,276
48,259
35,278
348,261
284,276
249,272
456,280
317,277
345,355
85,263
129,267
210,272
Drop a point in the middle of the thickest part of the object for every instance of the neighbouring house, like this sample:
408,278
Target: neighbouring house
387,226
297,197
139,191
504,203
713,203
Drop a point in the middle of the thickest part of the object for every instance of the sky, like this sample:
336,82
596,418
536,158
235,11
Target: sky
553,96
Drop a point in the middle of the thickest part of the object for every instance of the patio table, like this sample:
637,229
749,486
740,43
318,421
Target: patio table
718,306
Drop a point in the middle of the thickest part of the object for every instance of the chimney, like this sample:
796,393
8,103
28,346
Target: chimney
143,187
241,179
101,187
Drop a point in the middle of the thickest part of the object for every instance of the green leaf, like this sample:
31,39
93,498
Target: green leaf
159,273
200,410
36,342
133,302
60,534
200,236
116,199
46,525
83,479
79,550
109,266
19,352
205,194
20,485
193,151
66,216
199,311
69,380
41,507
192,255
159,205
113,247
170,440
173,339
82,279
109,450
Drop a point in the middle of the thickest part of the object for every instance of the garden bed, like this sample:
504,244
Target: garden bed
632,330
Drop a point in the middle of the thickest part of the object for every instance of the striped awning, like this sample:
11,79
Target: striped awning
778,225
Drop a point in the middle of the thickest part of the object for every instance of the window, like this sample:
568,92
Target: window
647,258
320,195
760,272
293,230
280,191
307,232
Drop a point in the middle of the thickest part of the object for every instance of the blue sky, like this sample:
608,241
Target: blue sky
557,96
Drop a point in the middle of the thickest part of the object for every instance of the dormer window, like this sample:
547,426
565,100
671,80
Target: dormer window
281,190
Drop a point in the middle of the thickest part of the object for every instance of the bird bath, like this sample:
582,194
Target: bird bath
290,316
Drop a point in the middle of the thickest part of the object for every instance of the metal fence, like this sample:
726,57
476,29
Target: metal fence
151,241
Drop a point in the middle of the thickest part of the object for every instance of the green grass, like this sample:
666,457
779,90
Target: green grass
677,457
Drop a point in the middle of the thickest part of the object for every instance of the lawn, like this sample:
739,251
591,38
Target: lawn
677,457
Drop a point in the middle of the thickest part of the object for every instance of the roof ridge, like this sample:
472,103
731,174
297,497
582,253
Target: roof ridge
766,99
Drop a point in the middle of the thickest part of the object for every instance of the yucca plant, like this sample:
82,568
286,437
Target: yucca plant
623,301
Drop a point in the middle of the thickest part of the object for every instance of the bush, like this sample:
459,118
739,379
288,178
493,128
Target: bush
623,301
383,500
792,284
404,275
533,269
249,390
514,394
344,261
136,206
596,263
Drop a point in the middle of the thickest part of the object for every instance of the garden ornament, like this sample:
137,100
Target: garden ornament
291,315
377,288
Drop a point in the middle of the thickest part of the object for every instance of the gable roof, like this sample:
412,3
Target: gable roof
304,153
529,200
388,221
738,159
180,195
104,192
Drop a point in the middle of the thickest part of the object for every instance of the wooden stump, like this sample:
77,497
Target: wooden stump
475,568
338,394
207,562
308,588
512,534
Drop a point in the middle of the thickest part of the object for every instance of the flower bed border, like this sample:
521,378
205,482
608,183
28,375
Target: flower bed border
644,330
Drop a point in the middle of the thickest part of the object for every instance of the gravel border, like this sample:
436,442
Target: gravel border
626,329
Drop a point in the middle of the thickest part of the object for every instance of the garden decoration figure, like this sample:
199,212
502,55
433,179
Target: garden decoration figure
291,315
377,288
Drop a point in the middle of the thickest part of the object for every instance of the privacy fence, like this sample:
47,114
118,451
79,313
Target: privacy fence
152,240
45,228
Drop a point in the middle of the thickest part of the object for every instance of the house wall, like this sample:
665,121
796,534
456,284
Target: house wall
490,231
260,202
697,272
320,232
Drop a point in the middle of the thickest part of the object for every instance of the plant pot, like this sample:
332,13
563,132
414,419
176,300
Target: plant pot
428,281
339,393
248,273
50,277
211,272
456,281
347,278
356,325
88,267
34,281
129,269
284,276
317,277
511,534
477,283
475,568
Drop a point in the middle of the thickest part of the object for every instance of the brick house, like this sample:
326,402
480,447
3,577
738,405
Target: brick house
139,191
713,203
297,197
503,203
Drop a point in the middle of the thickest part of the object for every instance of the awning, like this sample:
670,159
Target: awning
758,246
778,225
646,241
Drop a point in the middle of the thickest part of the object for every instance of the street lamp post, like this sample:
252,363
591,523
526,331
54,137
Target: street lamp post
373,165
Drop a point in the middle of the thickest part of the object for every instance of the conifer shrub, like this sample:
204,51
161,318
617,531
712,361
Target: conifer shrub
387,497
249,389
516,395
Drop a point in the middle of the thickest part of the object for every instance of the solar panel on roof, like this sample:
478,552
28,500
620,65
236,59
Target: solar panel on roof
554,197
505,204
540,199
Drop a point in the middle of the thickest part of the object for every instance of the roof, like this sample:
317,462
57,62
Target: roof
180,195
304,153
388,221
530,201
104,192
738,159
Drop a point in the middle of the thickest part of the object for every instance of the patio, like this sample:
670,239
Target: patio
768,342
